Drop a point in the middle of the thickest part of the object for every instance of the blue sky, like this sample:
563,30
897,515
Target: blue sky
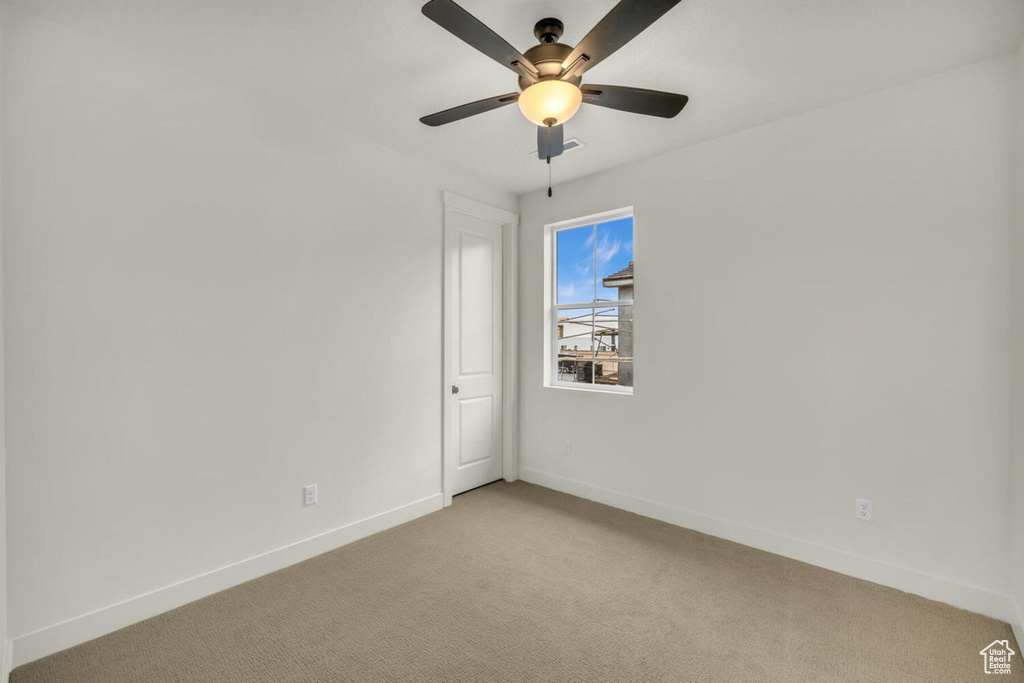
576,257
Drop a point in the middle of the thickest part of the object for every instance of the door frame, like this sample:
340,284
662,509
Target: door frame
509,222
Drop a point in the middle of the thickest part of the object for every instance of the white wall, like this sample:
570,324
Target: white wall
195,289
5,662
1017,583
821,315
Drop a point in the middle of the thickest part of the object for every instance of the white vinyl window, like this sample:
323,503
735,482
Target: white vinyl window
590,302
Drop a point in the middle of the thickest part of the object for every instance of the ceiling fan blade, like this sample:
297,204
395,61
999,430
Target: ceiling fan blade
464,111
468,28
622,24
635,100
557,137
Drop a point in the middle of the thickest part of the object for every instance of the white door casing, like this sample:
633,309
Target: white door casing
479,388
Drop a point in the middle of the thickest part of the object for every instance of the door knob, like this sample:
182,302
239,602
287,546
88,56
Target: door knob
455,389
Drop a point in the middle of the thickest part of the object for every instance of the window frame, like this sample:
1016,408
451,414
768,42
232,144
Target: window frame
553,308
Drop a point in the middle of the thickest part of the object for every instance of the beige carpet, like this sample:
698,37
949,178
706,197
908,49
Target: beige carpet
519,583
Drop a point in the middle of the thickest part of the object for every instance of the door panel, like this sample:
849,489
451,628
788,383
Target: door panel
476,429
473,354
476,286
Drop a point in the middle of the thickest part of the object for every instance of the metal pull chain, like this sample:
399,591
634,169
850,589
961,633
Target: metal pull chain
550,122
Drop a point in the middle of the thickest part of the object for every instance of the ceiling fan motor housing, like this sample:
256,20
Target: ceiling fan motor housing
549,55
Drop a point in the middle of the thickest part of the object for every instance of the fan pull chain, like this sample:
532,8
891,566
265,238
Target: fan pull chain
549,157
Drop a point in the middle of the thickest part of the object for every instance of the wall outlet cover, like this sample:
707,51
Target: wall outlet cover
864,510
309,495
567,448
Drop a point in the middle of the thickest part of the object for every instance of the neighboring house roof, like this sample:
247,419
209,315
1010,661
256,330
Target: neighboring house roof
1003,645
621,278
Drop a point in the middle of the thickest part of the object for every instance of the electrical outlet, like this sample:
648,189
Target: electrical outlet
309,494
567,448
864,510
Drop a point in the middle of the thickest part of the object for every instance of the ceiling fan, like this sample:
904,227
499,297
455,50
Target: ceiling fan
550,74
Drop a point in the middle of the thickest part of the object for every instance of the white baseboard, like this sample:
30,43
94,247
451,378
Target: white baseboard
1017,623
85,627
960,595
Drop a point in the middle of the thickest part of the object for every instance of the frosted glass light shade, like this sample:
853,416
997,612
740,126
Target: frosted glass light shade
551,99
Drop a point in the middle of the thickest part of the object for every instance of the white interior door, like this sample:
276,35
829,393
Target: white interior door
473,350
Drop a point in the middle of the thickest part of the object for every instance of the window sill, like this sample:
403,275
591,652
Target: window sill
590,389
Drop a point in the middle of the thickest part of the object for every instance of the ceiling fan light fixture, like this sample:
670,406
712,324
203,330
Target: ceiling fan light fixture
550,99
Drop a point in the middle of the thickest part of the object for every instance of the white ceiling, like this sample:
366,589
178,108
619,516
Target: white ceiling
374,67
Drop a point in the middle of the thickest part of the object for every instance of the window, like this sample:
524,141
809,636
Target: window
591,303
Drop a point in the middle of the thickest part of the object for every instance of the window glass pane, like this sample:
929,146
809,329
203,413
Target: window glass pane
614,256
593,337
574,344
613,346
574,273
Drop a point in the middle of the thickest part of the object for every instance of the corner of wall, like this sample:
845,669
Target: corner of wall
1018,621
1017,416
4,640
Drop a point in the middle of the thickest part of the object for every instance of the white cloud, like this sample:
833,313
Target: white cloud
607,249
589,242
576,291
